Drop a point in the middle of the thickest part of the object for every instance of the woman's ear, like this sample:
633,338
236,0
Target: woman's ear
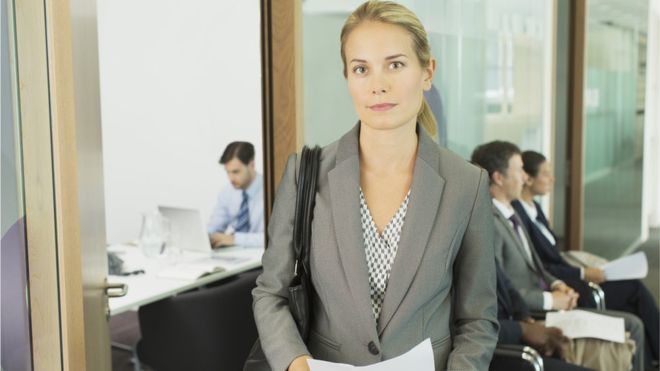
429,72
529,181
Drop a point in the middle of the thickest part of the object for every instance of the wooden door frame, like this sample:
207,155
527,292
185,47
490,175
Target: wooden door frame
47,124
281,50
575,148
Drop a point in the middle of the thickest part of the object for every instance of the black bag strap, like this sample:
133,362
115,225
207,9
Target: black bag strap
305,199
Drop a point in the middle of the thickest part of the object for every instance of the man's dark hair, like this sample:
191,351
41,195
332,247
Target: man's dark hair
494,156
243,151
532,162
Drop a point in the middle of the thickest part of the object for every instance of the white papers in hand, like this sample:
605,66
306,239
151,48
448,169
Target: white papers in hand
582,324
419,358
629,267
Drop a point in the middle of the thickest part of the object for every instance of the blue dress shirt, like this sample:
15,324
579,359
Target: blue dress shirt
226,211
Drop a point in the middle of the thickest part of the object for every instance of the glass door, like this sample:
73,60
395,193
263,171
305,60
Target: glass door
614,125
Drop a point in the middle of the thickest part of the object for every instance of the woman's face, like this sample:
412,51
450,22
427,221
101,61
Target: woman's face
384,76
543,182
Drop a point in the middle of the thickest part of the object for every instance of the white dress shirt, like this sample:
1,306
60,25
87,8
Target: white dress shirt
507,211
226,211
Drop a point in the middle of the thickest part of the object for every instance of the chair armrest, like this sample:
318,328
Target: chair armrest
518,357
598,295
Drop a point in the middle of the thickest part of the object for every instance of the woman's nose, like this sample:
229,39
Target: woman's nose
379,85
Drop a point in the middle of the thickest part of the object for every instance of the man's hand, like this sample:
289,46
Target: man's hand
566,290
548,341
562,301
300,364
595,275
221,239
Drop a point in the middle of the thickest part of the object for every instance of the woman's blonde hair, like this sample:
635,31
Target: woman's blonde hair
395,14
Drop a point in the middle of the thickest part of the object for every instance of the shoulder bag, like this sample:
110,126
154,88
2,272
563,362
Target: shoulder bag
300,288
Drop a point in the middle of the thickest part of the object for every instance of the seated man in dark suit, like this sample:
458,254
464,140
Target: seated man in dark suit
628,296
518,327
513,249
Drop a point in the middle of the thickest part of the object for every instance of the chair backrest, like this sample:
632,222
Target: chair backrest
208,329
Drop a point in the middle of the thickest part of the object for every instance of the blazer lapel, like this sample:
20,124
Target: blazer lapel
513,236
344,182
425,195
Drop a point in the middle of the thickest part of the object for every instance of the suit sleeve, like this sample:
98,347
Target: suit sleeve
280,339
510,332
519,307
474,294
563,271
533,298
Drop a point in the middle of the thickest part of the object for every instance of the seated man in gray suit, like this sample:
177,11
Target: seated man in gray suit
514,250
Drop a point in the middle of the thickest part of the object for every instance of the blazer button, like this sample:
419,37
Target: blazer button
373,349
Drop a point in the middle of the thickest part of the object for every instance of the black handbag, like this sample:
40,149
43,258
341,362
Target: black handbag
300,288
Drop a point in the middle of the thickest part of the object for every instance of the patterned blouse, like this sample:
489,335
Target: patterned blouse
380,249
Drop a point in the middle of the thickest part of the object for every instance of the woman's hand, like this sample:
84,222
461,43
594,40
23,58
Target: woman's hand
595,275
300,364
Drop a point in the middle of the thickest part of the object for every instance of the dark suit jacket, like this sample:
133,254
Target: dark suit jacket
547,251
510,309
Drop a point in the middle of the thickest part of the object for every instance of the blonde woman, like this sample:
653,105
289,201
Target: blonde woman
402,231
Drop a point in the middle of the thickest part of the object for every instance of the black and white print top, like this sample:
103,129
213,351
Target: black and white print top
380,249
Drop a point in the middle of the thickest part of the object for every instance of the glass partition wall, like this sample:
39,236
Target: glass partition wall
614,125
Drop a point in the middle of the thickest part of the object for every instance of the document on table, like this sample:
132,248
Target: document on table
192,270
629,267
419,358
582,324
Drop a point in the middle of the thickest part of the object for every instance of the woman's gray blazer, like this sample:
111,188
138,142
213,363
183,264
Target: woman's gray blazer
442,283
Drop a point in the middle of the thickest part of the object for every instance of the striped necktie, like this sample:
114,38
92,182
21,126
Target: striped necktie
243,217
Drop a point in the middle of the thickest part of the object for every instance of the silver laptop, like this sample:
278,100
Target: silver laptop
188,232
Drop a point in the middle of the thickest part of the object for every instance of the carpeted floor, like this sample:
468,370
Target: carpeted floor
125,330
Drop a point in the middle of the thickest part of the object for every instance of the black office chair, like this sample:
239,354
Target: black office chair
516,357
207,329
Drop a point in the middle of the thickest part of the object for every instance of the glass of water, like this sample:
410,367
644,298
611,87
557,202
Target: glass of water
154,234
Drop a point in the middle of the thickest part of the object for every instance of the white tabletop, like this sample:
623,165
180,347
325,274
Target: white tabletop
149,287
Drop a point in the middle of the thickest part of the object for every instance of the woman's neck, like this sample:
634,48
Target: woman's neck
527,196
388,151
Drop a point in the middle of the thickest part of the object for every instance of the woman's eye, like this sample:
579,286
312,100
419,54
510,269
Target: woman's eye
359,70
396,65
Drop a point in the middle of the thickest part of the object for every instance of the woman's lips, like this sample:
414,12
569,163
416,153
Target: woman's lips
382,106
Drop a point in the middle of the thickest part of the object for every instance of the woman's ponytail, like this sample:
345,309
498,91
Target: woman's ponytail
427,120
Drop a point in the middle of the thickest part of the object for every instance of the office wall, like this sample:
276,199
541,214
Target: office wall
179,81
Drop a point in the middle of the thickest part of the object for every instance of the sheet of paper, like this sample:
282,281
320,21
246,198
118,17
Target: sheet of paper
582,324
629,267
419,358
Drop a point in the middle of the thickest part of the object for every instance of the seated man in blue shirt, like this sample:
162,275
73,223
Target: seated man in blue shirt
238,217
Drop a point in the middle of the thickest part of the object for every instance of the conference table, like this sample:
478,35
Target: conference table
157,281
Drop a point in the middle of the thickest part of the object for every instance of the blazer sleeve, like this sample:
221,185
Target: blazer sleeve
510,332
475,324
280,339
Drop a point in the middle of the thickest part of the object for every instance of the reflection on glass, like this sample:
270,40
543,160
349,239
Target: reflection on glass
613,125
14,302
